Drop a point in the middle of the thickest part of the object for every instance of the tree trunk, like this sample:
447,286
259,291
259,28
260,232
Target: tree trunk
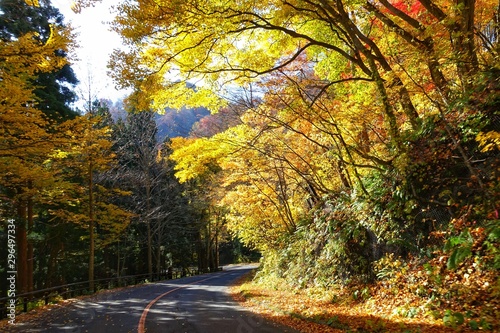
30,260
22,249
216,248
158,258
461,29
118,273
464,47
55,248
148,225
373,56
208,247
91,229
150,249
202,255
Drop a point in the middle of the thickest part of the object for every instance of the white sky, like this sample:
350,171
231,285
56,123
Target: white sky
96,43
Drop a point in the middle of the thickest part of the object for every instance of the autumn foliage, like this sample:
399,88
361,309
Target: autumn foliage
367,138
356,145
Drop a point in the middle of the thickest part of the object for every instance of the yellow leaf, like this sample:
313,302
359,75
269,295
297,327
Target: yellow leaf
32,3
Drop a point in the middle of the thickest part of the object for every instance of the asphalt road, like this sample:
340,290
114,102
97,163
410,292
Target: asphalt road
193,304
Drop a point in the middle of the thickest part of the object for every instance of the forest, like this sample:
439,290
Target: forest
92,192
351,143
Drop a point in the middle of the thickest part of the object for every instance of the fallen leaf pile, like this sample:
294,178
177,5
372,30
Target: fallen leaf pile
407,300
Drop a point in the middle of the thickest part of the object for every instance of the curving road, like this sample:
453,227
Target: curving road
193,304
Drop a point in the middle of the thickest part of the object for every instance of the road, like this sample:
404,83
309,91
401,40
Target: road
193,304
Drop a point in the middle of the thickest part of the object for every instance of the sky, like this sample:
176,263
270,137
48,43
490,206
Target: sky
96,43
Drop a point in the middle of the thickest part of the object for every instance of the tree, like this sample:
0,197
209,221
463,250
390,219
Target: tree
86,152
35,45
53,89
138,155
175,228
365,117
25,131
157,199
240,41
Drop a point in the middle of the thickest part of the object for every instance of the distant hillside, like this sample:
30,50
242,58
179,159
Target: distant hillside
172,124
178,122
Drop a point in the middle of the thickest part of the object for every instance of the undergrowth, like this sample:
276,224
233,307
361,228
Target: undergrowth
407,298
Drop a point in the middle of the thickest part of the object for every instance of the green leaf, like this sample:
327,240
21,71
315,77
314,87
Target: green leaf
457,256
453,319
458,318
494,235
473,325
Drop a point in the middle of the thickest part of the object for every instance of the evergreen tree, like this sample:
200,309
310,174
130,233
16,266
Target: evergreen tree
53,89
164,232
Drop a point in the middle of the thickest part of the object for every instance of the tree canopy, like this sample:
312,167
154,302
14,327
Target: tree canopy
345,137
362,125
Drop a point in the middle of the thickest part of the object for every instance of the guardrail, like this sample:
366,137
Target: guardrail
82,288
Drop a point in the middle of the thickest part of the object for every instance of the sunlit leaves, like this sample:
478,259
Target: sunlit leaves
32,3
208,44
194,157
489,140
85,143
85,149
25,131
344,88
77,5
